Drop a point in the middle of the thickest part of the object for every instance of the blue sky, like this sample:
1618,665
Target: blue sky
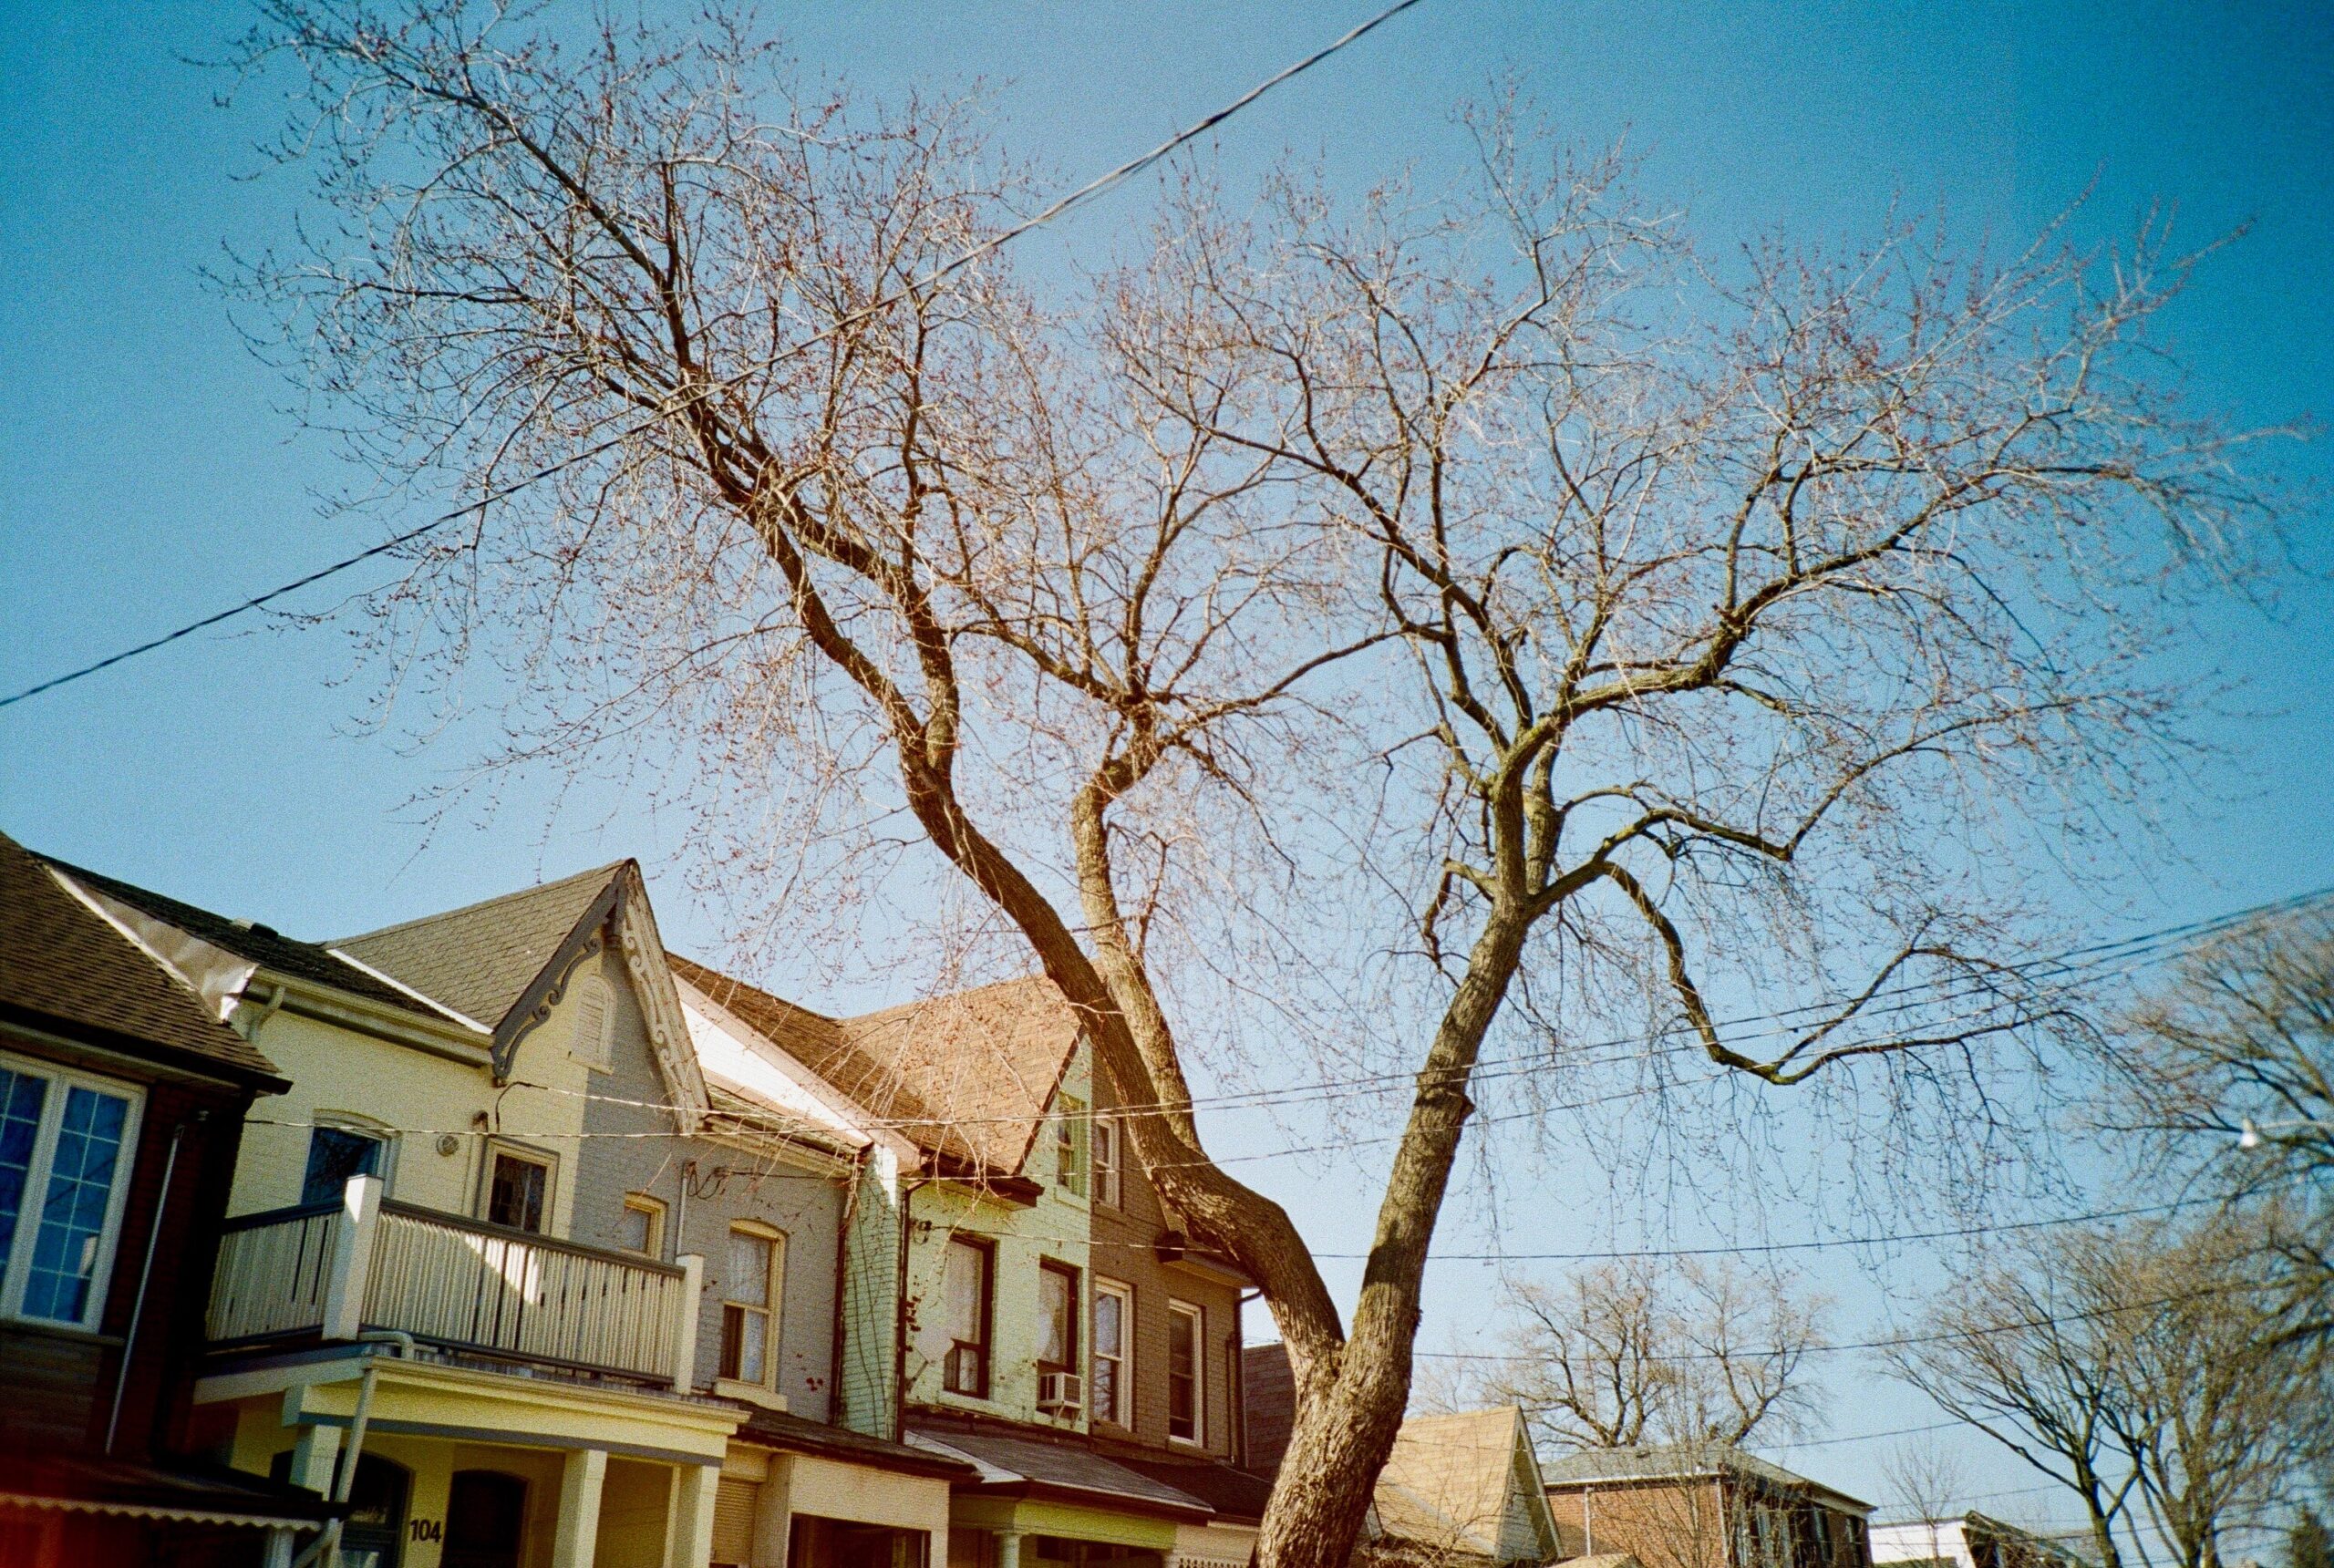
150,470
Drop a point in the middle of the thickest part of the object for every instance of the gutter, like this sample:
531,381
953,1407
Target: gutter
323,1003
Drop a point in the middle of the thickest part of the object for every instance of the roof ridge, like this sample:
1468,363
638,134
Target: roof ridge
602,872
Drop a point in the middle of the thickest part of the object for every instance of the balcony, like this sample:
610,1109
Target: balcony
333,1270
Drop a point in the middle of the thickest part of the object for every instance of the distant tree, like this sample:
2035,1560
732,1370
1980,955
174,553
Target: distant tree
1926,1481
2143,1368
2241,1034
2308,1544
1644,1351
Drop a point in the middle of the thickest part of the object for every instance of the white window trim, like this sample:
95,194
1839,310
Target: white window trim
642,1203
1198,1314
20,1258
1106,1127
1123,1293
598,1054
527,1152
764,1393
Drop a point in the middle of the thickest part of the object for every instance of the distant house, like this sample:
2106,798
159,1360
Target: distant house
122,1099
1971,1540
1463,1490
1702,1505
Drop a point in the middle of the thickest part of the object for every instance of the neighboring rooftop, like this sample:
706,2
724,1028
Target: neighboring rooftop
480,959
1011,1462
967,1075
62,963
1466,1482
1684,1461
1268,1404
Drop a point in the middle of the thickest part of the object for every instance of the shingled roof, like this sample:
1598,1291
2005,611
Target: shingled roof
1466,1483
1684,1461
965,1077
261,945
61,962
480,959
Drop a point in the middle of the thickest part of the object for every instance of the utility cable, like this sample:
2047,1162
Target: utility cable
1077,198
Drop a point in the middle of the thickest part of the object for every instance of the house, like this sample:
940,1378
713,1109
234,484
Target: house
1971,1540
1461,1488
401,1317
1017,1298
1702,1505
685,1155
122,1099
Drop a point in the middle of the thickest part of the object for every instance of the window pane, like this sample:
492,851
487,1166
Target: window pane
73,1211
749,1259
745,1343
637,1229
517,1197
1108,1327
1182,1382
961,1289
21,1098
1054,1309
335,1154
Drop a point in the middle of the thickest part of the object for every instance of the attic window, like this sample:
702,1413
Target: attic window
593,1041
1069,1145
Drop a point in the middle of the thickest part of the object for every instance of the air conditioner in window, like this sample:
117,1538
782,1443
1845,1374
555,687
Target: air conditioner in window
1063,1391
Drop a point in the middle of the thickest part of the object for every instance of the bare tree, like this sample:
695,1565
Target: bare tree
1652,1352
1441,599
2141,1368
1928,1481
2228,1068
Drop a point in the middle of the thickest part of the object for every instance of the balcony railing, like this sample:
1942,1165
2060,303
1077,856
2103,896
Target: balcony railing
336,1270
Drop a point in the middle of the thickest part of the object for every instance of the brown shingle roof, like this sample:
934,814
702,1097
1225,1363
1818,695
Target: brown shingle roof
480,959
965,1076
60,961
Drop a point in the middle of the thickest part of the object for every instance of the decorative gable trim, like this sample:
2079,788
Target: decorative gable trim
584,940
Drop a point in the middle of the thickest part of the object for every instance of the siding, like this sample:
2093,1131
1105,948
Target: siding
705,1186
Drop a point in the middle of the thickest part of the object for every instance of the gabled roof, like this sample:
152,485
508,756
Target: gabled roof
965,1077
261,944
1686,1461
480,959
1456,1482
61,961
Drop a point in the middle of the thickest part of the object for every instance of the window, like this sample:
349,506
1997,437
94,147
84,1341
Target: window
1113,1387
641,1228
336,1155
1057,1318
749,1297
965,1279
64,1153
593,1038
1106,1160
1069,1136
1186,1392
518,1188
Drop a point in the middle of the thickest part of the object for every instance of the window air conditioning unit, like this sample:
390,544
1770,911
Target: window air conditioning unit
1064,1391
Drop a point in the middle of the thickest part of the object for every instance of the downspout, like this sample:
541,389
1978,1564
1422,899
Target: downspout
325,1550
146,1275
843,1287
900,1317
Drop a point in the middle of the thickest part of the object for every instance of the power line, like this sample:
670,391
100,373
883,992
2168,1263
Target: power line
1077,198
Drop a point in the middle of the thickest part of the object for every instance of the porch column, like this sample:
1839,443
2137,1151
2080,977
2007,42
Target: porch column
1008,1548
312,1459
689,1530
579,1508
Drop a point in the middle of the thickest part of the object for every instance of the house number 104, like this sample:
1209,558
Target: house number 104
425,1529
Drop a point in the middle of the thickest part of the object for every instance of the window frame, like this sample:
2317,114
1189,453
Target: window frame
1121,1411
598,1054
1197,1316
16,1268
1106,1178
772,1311
1070,1164
496,1149
1074,1281
656,1211
384,1137
985,1250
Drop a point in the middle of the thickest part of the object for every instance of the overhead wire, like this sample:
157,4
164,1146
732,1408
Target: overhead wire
1075,199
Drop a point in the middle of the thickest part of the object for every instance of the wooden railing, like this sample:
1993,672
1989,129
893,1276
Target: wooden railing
363,1264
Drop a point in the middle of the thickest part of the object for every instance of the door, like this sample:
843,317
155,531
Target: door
485,1520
